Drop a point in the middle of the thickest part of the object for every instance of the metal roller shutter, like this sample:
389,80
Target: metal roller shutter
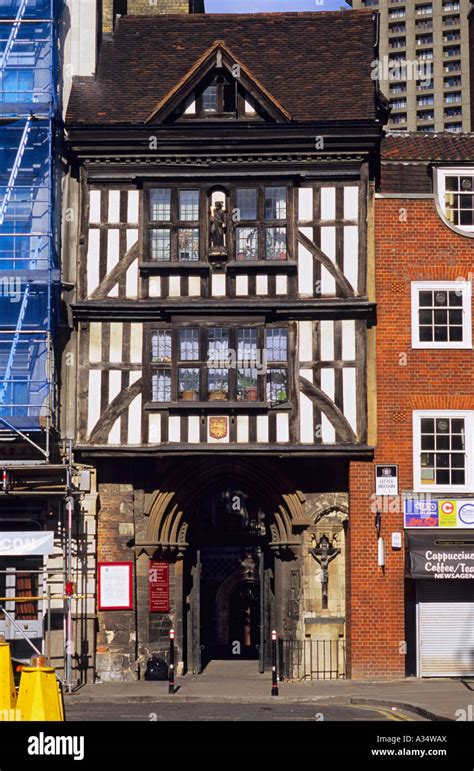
445,628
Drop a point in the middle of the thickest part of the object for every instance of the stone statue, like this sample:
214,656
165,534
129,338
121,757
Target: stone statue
217,227
324,553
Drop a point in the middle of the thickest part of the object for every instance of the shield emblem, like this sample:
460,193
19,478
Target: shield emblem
218,428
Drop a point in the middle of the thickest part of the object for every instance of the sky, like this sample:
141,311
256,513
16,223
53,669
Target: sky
259,6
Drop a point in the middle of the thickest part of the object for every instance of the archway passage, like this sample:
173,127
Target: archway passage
232,524
231,607
230,534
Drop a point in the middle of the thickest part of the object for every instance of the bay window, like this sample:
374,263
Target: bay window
177,222
210,362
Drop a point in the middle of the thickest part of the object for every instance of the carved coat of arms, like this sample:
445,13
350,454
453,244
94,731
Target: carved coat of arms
218,428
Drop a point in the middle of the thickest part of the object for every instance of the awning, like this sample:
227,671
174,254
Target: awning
440,555
26,542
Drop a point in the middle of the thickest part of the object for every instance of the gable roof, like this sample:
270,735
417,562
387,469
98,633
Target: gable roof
316,66
218,52
418,146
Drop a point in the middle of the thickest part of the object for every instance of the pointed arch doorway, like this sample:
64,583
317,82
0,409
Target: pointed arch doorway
232,528
230,591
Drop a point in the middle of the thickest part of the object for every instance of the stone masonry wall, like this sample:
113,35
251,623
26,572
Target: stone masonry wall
116,657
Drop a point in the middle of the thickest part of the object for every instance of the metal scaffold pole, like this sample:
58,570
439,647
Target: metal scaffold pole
69,587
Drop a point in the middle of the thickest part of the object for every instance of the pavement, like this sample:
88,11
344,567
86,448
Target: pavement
240,682
231,712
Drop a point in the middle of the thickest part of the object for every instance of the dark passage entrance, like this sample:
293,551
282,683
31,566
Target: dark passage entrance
230,589
230,602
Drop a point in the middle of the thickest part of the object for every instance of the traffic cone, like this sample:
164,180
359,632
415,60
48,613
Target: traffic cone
7,684
39,695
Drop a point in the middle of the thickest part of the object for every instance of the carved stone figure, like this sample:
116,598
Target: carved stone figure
217,227
324,553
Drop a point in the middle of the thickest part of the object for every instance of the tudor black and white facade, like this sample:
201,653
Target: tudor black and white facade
220,324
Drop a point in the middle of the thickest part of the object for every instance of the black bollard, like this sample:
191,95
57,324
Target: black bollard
274,664
171,664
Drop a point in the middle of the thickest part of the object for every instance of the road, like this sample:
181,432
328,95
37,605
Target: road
208,711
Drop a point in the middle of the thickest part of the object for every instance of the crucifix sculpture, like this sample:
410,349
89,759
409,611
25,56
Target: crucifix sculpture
324,553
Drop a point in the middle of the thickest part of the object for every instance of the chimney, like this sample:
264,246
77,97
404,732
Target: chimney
112,8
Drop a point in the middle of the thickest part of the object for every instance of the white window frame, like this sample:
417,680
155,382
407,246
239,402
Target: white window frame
441,174
468,416
447,286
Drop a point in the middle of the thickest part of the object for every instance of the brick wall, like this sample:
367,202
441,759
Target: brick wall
412,243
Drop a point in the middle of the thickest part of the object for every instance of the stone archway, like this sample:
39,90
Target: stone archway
172,507
171,525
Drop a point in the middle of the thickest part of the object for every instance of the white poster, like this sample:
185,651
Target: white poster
115,586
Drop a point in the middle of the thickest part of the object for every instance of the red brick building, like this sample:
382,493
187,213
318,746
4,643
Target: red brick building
401,619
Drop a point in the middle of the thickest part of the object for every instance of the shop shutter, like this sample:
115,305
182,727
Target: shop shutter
445,628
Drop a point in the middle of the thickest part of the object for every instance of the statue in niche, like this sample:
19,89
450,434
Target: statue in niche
324,553
217,228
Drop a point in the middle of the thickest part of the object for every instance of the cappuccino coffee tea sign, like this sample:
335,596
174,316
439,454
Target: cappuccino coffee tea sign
440,557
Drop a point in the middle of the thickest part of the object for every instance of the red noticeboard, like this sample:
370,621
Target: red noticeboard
159,586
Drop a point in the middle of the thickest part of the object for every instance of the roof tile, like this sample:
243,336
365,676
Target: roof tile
317,65
419,146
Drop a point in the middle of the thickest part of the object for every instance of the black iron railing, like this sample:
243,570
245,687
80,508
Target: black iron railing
312,659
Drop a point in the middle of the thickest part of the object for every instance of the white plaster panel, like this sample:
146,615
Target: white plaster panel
327,340
328,203
136,343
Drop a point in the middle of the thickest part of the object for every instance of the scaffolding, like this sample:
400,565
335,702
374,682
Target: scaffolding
29,276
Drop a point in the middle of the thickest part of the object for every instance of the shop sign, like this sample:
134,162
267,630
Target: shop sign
439,512
440,556
158,575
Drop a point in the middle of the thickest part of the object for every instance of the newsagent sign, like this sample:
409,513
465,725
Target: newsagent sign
439,512
440,556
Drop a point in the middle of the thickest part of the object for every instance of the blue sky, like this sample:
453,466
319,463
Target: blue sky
259,6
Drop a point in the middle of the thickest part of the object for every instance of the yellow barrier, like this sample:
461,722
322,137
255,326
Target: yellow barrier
8,701
39,695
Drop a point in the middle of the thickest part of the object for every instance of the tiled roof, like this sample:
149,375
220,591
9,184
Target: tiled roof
317,65
418,146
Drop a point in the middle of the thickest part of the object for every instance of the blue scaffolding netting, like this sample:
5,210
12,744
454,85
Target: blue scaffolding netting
29,277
